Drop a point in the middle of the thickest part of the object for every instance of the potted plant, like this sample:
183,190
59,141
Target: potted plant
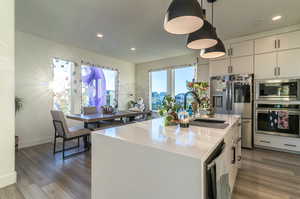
169,110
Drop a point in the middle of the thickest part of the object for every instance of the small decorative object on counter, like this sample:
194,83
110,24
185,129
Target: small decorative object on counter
184,119
169,109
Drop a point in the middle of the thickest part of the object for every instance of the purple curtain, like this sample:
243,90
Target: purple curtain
94,80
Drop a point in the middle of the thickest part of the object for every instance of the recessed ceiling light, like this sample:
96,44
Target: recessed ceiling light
99,35
276,18
132,49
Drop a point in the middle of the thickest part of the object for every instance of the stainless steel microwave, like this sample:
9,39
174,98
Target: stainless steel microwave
278,89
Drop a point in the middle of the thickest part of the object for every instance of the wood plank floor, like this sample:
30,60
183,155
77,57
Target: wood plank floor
264,175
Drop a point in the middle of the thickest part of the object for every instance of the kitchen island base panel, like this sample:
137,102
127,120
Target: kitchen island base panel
133,171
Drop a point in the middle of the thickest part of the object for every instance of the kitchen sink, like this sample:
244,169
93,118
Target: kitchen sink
209,123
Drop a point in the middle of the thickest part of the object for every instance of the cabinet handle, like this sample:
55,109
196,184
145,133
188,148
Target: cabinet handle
275,44
231,52
291,145
265,141
239,158
278,43
234,153
278,73
275,71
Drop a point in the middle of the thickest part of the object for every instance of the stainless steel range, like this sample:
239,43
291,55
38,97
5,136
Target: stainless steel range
233,94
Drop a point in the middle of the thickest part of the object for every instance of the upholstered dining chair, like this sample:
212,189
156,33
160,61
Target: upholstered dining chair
68,134
90,110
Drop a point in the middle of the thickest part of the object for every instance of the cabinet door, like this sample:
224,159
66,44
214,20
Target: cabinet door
265,45
218,67
242,49
242,65
289,63
289,40
265,65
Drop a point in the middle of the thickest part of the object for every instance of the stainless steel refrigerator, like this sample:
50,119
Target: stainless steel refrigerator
233,94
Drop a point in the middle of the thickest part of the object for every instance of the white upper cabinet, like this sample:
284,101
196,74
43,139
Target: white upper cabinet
289,63
242,49
264,45
242,65
265,65
219,67
289,40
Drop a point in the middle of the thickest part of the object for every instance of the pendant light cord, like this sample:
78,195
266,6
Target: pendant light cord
212,13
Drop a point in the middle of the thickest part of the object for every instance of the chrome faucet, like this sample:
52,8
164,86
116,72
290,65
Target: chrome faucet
195,97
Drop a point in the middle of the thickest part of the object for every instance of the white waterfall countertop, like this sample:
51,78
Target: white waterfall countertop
194,142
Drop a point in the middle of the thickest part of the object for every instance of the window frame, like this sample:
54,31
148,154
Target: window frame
117,81
170,79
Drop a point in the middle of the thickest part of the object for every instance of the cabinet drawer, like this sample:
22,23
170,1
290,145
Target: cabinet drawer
280,142
266,140
292,144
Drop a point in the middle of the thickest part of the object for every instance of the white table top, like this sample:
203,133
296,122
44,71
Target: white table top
196,142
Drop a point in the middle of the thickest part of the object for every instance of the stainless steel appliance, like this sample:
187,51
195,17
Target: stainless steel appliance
278,89
211,171
233,94
278,119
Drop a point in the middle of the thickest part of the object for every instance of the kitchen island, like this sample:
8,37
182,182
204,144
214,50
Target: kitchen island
147,160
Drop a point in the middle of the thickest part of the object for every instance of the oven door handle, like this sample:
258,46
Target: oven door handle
277,110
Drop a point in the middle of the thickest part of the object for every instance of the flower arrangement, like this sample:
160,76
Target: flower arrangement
201,88
169,110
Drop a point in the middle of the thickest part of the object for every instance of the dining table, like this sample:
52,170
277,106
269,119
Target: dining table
97,117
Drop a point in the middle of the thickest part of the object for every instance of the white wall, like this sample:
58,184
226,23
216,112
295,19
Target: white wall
142,71
7,118
33,73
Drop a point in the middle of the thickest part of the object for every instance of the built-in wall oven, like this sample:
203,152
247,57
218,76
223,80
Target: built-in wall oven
278,89
278,119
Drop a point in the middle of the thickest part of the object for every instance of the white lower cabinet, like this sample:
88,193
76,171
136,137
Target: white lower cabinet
278,142
233,153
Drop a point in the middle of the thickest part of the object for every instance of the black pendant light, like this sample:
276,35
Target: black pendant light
205,37
213,52
183,17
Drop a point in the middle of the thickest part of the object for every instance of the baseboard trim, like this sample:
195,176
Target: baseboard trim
8,179
35,142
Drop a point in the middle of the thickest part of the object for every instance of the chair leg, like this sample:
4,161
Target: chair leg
54,147
78,142
63,149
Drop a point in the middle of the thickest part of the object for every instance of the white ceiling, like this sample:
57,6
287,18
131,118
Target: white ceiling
139,23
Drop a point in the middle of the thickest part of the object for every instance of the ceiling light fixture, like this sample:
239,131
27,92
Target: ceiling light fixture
132,49
99,35
276,18
217,50
213,52
183,17
205,37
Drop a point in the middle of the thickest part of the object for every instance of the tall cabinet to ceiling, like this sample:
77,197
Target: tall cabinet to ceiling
239,60
278,56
